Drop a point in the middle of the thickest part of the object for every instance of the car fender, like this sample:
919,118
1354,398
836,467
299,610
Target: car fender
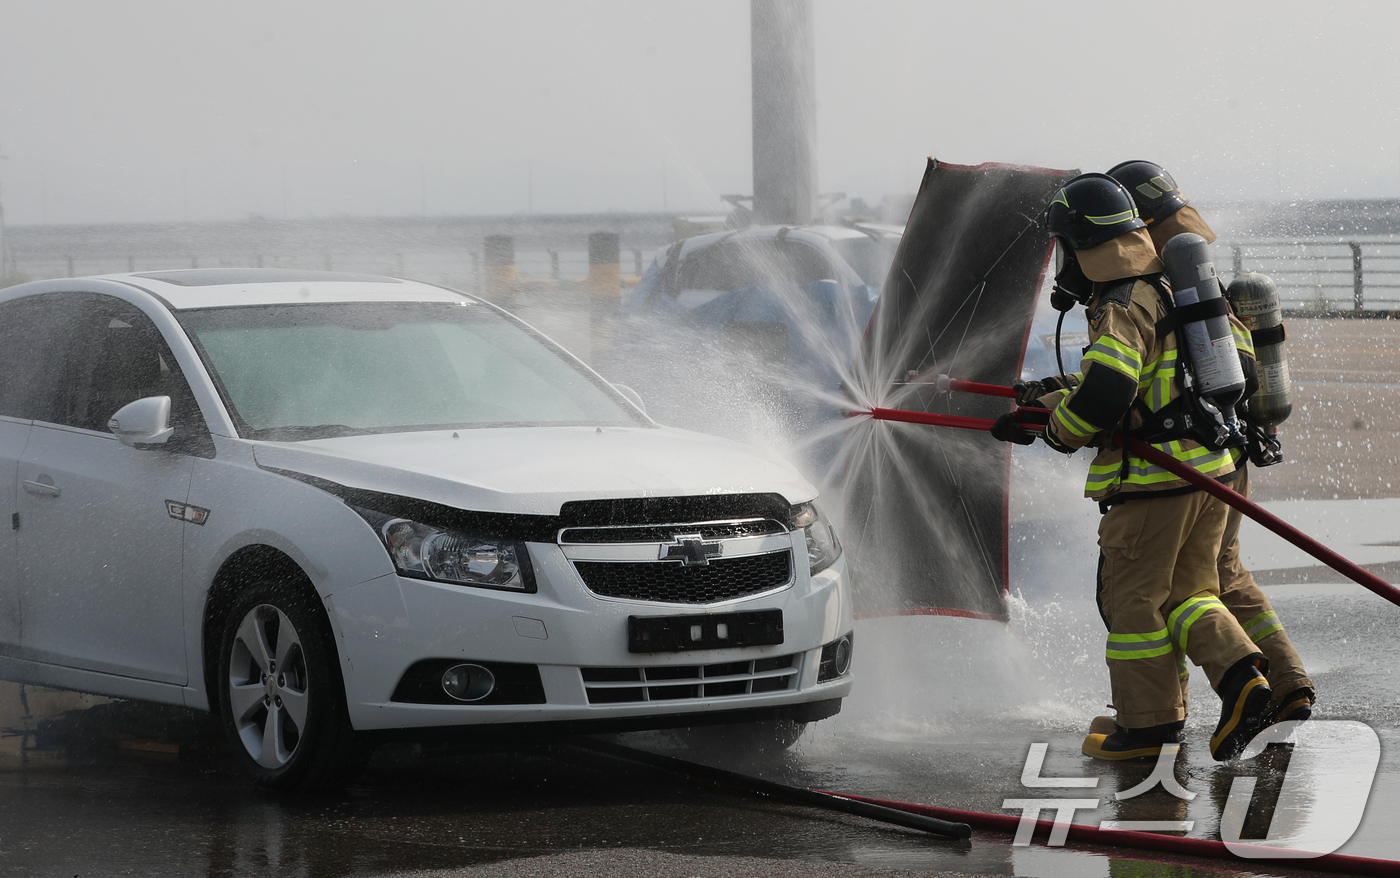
250,507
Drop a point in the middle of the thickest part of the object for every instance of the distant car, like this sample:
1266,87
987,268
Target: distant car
748,333
1040,347
334,508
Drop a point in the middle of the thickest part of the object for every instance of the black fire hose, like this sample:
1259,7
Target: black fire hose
795,795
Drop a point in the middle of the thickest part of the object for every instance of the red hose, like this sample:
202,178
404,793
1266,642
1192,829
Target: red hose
1149,840
1268,519
984,389
1217,489
909,417
1200,847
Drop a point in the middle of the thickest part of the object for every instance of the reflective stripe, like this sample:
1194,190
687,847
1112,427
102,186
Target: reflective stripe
1184,616
1072,423
1114,354
1110,219
1140,472
1138,646
1262,626
1244,342
1157,381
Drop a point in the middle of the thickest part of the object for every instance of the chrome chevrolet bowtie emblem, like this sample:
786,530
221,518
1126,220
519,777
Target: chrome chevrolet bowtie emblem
691,550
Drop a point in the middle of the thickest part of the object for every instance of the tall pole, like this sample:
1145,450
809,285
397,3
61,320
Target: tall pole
784,111
4,251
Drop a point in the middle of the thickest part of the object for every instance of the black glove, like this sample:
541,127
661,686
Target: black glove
1055,443
1008,428
1028,392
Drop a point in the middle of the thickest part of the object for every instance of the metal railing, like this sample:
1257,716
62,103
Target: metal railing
1342,278
461,269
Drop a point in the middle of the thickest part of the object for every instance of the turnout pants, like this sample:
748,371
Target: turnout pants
1245,599
1160,593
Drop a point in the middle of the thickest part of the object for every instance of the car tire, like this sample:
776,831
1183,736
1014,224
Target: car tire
764,738
281,694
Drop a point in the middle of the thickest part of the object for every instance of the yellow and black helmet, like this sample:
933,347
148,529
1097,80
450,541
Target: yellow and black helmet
1154,191
1091,209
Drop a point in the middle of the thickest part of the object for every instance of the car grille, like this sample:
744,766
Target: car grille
722,579
660,533
680,682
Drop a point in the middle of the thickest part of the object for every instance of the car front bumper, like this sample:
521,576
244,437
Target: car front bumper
387,624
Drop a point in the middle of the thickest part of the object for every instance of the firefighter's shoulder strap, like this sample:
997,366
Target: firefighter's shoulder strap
1182,417
1117,292
1180,315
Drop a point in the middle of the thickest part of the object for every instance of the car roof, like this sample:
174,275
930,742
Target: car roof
816,235
223,287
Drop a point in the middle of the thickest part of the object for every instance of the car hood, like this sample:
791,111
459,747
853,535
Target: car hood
534,470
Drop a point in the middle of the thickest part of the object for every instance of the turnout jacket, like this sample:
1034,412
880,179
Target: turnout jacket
1127,362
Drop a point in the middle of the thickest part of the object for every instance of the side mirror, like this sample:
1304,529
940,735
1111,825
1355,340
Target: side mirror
143,422
632,396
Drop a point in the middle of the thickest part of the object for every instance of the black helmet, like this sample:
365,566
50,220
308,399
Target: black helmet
1091,209
1153,189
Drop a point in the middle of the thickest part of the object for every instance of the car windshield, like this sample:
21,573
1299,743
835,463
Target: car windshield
305,371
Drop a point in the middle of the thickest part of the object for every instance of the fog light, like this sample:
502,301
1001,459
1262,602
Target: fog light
468,682
843,656
835,660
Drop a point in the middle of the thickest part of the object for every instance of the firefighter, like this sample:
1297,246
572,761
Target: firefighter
1159,535
1167,213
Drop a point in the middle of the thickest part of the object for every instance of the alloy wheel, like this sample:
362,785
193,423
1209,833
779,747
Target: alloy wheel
268,686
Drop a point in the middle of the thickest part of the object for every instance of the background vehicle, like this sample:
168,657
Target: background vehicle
334,509
749,333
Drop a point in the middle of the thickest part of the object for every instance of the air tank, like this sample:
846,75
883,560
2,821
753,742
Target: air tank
1210,345
1256,303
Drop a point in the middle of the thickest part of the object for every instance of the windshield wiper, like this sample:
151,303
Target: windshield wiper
318,431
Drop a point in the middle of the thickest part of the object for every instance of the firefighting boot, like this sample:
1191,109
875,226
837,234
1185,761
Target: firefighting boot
1102,725
1296,705
1123,744
1244,701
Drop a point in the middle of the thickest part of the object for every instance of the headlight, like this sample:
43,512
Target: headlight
425,551
822,546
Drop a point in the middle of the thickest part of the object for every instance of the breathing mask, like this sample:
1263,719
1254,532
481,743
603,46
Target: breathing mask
1071,285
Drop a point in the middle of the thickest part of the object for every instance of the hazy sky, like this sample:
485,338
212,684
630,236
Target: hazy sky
143,110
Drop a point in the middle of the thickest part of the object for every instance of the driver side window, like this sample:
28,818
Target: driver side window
109,354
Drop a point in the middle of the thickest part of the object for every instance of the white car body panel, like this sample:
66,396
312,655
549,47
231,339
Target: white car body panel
14,434
108,529
268,494
534,470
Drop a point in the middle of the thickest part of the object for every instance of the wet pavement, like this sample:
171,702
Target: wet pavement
945,712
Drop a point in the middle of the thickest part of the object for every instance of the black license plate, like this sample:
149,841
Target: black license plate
712,631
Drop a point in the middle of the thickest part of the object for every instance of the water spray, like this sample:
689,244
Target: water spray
1223,492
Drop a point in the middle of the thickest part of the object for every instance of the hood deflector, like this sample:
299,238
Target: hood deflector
574,513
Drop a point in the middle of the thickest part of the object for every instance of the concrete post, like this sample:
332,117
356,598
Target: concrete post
500,269
784,111
604,289
1358,286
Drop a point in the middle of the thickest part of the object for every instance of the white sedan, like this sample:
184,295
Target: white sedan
334,509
